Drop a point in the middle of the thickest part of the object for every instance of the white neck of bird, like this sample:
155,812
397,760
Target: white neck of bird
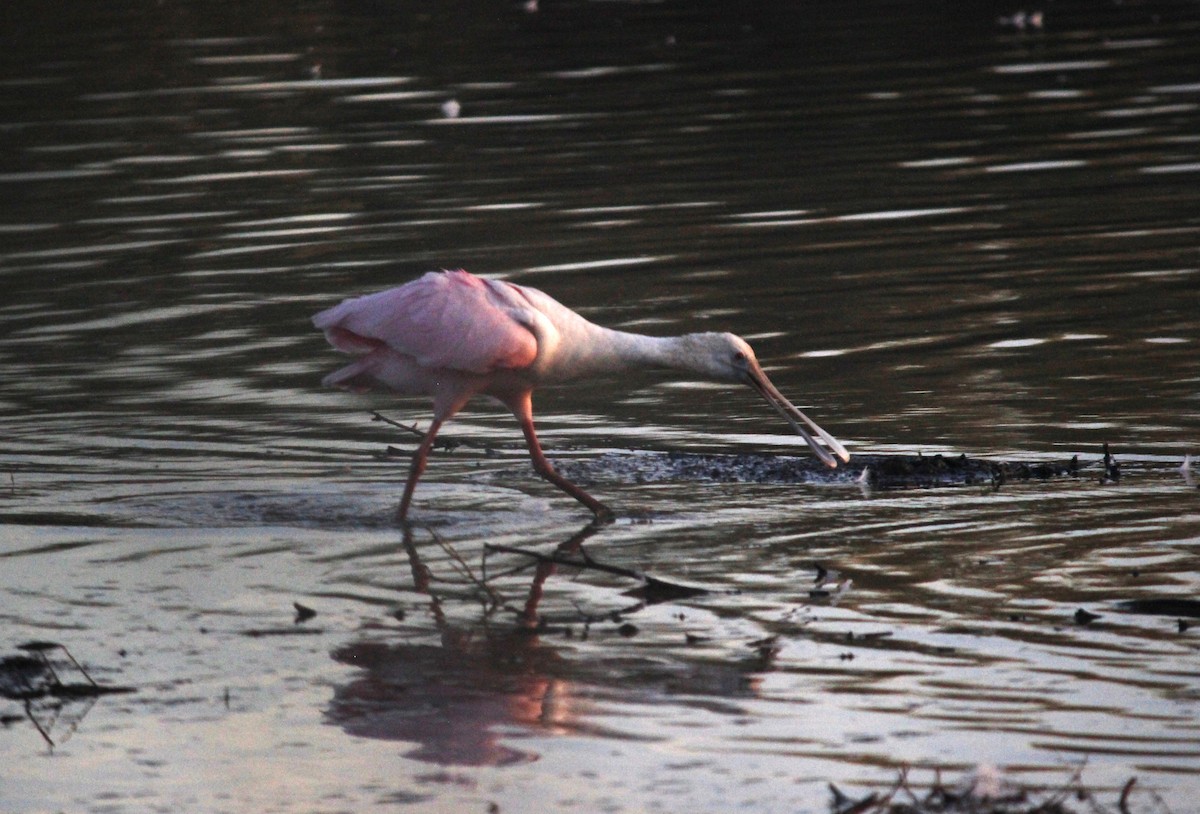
616,351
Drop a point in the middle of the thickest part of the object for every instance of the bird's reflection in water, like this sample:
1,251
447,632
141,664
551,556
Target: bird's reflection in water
452,699
465,696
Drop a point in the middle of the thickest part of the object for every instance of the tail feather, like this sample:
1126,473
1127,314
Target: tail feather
349,342
357,378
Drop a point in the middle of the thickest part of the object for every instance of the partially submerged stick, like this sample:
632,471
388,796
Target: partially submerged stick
653,589
448,443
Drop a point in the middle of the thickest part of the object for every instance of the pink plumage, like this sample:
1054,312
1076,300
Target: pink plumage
451,335
450,319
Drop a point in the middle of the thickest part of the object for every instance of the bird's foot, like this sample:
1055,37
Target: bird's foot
603,515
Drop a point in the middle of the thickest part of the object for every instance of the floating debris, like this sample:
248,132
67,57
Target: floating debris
446,443
1112,470
27,677
870,471
825,576
264,632
303,613
34,679
652,590
1165,606
987,791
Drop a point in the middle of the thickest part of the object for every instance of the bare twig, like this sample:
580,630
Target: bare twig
651,591
378,416
443,442
78,666
964,800
37,724
583,561
461,566
1123,802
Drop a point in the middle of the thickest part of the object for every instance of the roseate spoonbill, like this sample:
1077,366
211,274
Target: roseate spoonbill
451,335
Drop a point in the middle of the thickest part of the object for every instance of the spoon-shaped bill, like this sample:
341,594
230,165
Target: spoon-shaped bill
759,381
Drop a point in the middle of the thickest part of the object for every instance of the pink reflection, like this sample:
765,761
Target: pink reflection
466,690
454,700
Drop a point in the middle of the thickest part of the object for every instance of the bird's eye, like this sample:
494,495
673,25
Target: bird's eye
739,357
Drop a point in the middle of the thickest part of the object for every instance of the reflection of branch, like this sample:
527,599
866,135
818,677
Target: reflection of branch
48,702
555,558
37,724
653,589
529,614
568,553
981,791
464,569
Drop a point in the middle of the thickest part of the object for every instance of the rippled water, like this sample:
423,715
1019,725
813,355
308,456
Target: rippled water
942,235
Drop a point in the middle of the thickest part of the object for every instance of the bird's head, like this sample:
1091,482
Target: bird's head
727,357
722,357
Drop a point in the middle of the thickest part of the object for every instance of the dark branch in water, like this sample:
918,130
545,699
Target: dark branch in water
1112,470
652,589
33,680
1162,606
985,793
443,442
583,561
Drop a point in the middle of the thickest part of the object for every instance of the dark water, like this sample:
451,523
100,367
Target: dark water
941,235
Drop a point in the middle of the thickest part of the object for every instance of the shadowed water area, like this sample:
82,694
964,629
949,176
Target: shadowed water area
942,235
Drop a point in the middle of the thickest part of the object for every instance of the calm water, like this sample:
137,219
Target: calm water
941,236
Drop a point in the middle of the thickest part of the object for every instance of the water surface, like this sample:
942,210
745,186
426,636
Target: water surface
941,235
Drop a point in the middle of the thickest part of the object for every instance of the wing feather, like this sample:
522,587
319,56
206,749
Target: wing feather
452,320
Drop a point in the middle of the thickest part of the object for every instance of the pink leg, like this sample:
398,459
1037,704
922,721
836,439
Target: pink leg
420,457
522,407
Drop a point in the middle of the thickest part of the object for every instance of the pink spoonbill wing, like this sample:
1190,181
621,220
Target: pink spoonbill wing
450,321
